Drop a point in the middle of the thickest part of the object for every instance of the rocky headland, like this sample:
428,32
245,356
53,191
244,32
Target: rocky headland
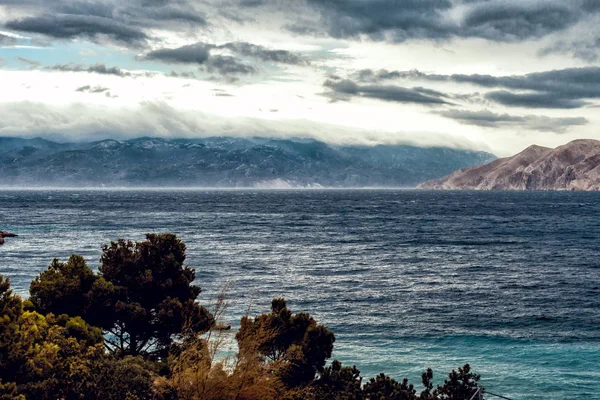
573,166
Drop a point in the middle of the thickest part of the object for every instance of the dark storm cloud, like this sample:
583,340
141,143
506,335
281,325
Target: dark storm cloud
128,22
429,92
124,22
489,119
94,8
379,19
400,20
591,5
586,49
169,13
226,65
344,89
74,26
197,53
104,70
137,12
577,82
200,53
261,53
534,100
566,88
154,3
141,13
252,3
399,94
96,68
504,21
369,75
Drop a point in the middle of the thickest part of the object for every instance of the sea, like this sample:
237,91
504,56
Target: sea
508,282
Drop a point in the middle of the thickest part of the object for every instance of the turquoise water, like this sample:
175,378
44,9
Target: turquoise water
509,282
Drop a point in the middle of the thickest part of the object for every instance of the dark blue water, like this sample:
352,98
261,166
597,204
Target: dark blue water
509,282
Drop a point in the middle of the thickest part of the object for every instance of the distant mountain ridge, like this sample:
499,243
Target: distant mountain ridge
223,162
573,166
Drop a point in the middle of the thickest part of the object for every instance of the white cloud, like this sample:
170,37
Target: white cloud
79,121
13,35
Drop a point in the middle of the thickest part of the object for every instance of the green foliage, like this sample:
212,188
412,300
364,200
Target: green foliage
63,288
8,391
11,309
77,328
154,297
129,377
295,344
10,304
44,357
339,383
49,357
384,387
461,384
58,365
427,380
142,297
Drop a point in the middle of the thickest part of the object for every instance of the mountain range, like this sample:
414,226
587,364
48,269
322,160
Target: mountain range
573,166
224,162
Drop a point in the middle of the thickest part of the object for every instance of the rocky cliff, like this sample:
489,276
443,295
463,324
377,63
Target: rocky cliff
574,166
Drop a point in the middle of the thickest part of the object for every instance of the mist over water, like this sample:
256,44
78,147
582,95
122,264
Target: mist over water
507,281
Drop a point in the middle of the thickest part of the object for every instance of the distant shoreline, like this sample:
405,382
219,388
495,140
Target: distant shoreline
267,189
192,189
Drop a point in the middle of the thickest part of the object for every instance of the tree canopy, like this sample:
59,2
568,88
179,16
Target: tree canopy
296,344
59,357
142,296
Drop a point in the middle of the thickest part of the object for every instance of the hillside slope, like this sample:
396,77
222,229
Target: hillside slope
573,166
223,162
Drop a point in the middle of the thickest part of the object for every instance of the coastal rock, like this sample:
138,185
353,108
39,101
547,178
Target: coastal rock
4,234
223,327
573,166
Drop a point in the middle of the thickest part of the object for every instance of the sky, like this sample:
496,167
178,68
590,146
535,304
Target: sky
494,75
